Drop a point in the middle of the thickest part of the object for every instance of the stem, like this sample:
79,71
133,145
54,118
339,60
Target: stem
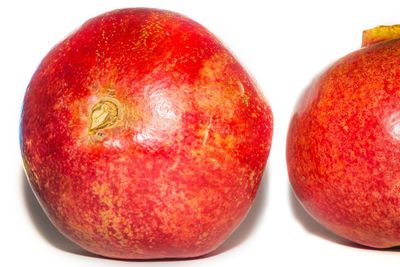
380,34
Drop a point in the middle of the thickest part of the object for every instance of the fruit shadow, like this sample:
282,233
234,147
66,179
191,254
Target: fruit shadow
252,219
313,227
44,226
50,233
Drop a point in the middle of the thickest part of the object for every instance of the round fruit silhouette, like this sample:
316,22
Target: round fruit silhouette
343,145
143,137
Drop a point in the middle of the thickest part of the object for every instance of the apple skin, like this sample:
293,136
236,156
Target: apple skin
143,137
343,146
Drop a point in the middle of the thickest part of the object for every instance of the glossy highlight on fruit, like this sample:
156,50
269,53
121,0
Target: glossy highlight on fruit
143,137
343,144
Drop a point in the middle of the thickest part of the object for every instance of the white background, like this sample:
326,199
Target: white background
284,44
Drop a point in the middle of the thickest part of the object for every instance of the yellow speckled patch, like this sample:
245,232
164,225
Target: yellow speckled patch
218,93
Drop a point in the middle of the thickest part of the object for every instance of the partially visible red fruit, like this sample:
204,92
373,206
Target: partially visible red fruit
343,145
143,137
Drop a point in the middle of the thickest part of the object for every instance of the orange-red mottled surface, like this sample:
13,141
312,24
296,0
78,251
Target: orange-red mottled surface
343,147
143,137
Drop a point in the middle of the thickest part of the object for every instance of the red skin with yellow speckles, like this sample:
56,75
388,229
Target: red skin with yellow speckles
143,137
343,145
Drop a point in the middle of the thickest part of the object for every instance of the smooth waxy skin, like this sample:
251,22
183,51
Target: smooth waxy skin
143,137
343,146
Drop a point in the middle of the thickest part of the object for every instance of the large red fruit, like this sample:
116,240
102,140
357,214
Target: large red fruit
143,137
343,145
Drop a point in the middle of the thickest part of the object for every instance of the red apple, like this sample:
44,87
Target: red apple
143,137
343,145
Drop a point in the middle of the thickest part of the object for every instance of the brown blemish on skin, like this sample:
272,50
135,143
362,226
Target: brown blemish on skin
243,93
206,132
104,114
